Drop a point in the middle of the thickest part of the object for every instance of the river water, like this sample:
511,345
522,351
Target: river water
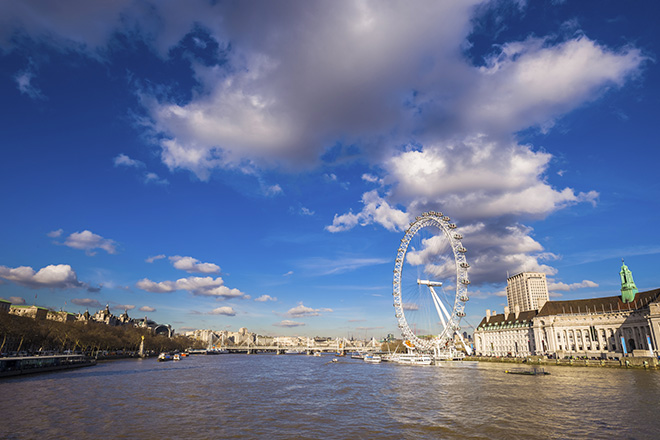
305,397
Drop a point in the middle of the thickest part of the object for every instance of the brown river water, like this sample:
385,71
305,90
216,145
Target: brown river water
304,397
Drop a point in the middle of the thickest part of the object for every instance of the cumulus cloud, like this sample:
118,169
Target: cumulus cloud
438,127
147,309
289,324
301,310
56,233
150,177
199,286
264,298
193,265
227,311
563,287
86,302
124,160
59,276
123,307
376,210
88,241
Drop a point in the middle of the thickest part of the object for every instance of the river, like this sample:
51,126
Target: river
305,397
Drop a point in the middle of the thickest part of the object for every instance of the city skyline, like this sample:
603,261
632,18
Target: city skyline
256,165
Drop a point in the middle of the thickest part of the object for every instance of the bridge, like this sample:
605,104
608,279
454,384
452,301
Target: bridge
339,346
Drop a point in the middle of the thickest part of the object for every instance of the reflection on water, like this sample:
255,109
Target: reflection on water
267,396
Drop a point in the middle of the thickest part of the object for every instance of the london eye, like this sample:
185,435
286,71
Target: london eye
430,283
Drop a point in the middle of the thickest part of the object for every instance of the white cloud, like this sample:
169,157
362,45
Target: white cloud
16,300
25,85
123,307
199,286
88,241
287,90
410,306
376,210
55,234
301,310
153,287
193,265
150,177
273,190
329,266
264,298
563,287
147,309
60,276
289,273
289,324
124,160
532,82
154,258
86,302
227,311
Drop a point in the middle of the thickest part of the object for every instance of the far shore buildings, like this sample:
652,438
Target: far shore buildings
607,327
103,316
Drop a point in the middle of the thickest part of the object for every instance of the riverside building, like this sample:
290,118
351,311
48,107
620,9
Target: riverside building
607,327
527,291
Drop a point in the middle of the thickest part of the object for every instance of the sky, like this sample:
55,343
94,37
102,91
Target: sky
217,165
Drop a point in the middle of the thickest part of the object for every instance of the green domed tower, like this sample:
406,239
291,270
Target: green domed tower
628,288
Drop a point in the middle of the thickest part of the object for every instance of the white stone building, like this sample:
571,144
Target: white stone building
607,327
527,290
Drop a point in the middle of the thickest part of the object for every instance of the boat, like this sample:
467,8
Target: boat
413,359
176,357
16,366
197,351
164,357
357,355
335,360
526,372
372,358
317,354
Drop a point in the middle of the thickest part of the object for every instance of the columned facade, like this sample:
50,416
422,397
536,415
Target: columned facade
599,327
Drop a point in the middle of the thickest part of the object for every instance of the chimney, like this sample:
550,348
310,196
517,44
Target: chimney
517,310
487,315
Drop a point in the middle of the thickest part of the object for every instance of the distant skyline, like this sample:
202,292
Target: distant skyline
255,164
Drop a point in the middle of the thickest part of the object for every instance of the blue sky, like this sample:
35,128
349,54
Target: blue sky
230,164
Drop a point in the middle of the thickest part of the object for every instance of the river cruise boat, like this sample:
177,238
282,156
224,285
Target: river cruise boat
15,366
372,358
413,359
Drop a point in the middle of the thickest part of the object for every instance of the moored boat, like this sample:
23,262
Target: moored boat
532,372
413,359
372,358
164,357
15,366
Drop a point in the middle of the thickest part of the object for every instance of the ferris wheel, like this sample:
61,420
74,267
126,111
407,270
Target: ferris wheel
430,283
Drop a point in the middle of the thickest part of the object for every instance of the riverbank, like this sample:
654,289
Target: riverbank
628,362
18,366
